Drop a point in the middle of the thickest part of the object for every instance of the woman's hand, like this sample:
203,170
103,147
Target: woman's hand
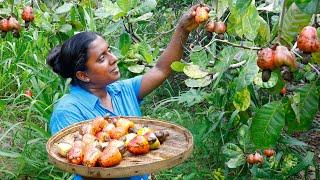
187,22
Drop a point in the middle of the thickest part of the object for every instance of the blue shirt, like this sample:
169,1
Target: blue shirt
80,105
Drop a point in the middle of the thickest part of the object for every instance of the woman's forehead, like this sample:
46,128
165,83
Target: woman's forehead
99,44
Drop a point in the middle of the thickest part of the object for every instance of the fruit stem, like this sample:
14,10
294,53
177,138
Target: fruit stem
281,20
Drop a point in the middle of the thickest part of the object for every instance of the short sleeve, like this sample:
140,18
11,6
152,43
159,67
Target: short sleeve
135,83
61,119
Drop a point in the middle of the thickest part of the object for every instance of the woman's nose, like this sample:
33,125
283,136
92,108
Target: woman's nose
112,59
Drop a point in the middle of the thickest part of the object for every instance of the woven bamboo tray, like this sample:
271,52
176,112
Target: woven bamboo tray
177,147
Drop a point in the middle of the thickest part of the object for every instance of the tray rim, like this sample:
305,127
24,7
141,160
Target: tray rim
119,171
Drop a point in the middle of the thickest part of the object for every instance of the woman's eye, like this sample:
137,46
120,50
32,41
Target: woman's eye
102,57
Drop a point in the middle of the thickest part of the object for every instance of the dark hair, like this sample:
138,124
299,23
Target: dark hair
71,56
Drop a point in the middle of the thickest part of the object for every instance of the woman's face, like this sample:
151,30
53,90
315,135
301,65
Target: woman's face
102,68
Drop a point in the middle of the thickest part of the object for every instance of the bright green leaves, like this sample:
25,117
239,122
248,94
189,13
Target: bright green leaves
66,7
241,6
124,43
108,9
177,66
194,71
136,56
309,6
126,5
191,97
264,34
65,28
198,82
199,58
267,125
293,22
234,155
241,99
223,6
249,71
244,22
145,7
198,77
136,68
304,104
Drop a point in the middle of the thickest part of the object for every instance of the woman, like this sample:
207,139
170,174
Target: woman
94,90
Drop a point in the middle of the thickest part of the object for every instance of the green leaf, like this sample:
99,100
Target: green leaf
110,9
198,82
144,50
234,154
143,17
223,6
191,97
225,58
136,68
112,27
241,100
264,34
244,137
293,22
89,20
194,71
118,16
309,6
65,28
124,43
248,72
126,5
269,84
306,107
66,7
199,58
145,7
267,125
292,141
236,162
240,6
245,25
177,66
231,150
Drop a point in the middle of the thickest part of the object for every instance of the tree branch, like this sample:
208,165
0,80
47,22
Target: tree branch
238,45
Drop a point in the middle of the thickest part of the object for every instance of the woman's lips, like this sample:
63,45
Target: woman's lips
115,70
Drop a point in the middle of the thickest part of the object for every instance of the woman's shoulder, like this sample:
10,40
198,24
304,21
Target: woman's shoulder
67,101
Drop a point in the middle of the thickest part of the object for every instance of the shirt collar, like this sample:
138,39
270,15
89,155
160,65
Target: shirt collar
91,99
113,88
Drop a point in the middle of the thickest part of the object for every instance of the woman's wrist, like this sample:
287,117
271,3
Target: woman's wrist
182,30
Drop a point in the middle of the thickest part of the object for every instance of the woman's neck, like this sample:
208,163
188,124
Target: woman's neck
99,92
